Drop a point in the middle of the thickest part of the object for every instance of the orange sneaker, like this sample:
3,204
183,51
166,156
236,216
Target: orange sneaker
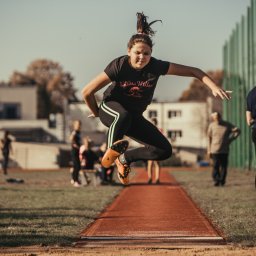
112,153
123,172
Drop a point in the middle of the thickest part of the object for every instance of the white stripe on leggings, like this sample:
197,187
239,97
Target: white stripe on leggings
116,115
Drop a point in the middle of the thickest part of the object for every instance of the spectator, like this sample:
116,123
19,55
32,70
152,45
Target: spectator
106,173
251,115
220,134
153,163
75,146
88,158
6,147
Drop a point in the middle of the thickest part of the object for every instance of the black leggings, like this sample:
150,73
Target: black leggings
76,164
121,122
220,166
5,161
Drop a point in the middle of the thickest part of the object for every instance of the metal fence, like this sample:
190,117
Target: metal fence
239,61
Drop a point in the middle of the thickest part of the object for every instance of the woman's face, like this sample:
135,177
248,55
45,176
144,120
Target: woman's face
77,125
140,55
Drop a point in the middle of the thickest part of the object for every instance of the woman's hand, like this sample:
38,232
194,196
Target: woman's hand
92,116
221,93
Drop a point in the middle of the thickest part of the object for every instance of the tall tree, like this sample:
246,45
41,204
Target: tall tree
54,86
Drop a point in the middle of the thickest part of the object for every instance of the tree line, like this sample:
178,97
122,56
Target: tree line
55,86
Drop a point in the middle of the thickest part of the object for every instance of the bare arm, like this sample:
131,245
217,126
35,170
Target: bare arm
249,118
91,88
181,70
236,132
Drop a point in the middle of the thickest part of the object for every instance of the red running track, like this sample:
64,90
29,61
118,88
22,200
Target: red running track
145,212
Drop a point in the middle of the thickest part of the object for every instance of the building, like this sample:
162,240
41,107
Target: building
36,141
18,114
183,123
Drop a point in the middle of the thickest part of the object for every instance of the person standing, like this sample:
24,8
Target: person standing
133,79
6,147
75,140
251,115
106,173
153,163
220,134
88,158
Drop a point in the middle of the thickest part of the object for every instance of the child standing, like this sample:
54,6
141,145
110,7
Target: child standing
88,158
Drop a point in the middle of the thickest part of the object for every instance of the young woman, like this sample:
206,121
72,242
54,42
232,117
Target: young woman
75,140
133,79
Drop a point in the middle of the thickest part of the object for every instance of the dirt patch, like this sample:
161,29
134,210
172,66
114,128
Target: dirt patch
59,251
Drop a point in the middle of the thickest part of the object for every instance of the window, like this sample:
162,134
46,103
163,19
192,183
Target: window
10,111
173,134
152,113
174,113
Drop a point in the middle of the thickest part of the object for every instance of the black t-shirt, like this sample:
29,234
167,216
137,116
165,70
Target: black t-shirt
90,158
130,87
6,145
76,140
251,102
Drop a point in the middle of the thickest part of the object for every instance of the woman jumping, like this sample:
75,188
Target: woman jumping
133,79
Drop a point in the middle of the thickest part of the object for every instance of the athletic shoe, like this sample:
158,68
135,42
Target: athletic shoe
123,172
112,153
150,181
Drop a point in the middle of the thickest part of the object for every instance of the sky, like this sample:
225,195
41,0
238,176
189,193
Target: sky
85,35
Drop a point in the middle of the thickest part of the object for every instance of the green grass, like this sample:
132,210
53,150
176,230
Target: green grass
231,208
47,210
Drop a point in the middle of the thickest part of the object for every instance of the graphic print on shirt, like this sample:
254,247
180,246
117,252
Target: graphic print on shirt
135,89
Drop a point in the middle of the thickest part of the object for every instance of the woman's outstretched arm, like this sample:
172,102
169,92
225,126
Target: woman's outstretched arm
181,70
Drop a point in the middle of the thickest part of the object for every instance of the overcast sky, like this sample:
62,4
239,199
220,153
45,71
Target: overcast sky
85,35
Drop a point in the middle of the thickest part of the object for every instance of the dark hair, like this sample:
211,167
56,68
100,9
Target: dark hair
144,31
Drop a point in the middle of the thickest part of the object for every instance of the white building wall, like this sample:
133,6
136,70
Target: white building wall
192,123
25,96
80,111
35,156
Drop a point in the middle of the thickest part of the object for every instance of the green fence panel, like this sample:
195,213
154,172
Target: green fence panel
239,65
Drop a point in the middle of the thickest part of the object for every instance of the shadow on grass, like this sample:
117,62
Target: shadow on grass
45,226
246,240
42,213
28,240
